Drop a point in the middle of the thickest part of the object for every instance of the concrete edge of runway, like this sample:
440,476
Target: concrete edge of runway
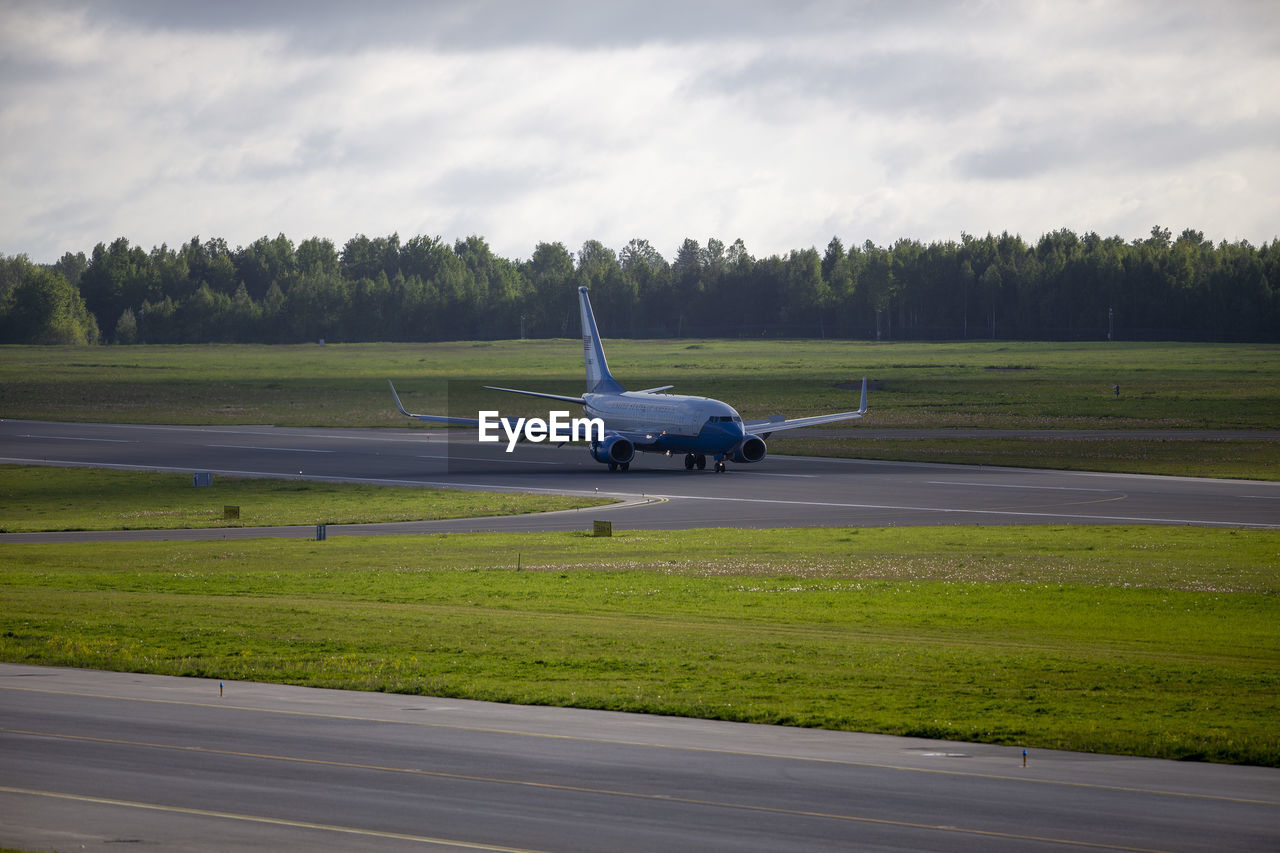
1244,783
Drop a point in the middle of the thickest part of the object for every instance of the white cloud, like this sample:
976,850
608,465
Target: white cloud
570,122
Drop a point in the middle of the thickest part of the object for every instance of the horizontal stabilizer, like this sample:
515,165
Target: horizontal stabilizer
560,397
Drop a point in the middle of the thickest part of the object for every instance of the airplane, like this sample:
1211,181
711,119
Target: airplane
650,421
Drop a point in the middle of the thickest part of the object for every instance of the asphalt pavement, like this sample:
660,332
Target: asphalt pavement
657,493
95,760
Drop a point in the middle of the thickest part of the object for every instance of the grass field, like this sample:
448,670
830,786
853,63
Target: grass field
1130,640
1126,640
1020,385
34,498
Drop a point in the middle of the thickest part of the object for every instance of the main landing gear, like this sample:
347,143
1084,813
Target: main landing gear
619,466
700,461
691,459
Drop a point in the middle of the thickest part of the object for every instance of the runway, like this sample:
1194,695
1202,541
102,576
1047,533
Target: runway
94,760
659,493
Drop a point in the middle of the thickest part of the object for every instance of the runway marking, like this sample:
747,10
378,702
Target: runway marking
961,467
75,438
525,783
1014,486
409,435
483,459
296,824
962,511
325,478
281,449
641,744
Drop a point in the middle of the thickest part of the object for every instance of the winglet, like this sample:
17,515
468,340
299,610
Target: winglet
862,407
435,419
396,397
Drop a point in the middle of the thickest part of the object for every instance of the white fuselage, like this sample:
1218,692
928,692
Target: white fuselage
672,421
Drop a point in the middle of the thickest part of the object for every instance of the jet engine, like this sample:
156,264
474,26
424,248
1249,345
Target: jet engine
750,449
614,449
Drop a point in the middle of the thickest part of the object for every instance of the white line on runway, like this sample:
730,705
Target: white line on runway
275,432
997,512
482,459
958,466
325,478
281,449
273,821
1014,486
74,438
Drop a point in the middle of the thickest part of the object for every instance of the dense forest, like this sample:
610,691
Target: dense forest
1063,287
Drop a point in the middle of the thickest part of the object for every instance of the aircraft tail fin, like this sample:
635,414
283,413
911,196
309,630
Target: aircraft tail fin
599,380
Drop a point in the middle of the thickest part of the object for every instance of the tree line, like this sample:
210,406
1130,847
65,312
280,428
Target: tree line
1063,287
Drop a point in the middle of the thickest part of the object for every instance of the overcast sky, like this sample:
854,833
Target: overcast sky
783,124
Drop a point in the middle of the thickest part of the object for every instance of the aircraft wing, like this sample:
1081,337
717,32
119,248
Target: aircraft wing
435,419
778,423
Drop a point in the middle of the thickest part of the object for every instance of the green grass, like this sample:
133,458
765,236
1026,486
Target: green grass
38,498
1020,385
1148,641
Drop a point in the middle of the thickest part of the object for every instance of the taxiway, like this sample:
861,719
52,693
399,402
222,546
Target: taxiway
657,492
